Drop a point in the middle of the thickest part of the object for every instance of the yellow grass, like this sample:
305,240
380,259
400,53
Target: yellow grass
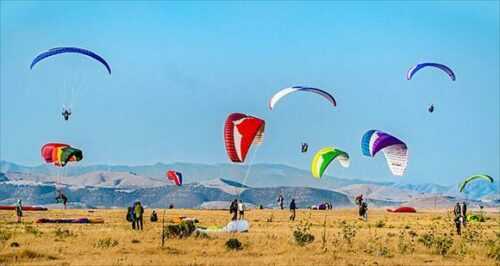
267,243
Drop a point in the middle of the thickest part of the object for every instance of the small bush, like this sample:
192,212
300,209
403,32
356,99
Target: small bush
135,241
106,243
380,224
348,232
426,239
493,247
182,230
443,244
234,244
201,235
302,234
407,227
32,230
14,245
62,233
5,235
406,244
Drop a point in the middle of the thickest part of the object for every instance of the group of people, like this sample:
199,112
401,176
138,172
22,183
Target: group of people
135,215
293,206
460,212
237,207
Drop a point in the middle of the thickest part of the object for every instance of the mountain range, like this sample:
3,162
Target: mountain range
213,185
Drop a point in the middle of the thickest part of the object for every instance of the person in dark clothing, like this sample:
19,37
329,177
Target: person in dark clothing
359,200
19,210
138,215
154,217
233,209
281,200
363,210
130,216
464,214
61,197
66,113
457,211
293,207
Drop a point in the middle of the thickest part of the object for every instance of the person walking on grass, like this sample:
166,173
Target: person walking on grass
19,210
281,200
457,211
138,215
464,214
293,207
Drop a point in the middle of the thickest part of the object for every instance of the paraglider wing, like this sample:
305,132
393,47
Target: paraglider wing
61,50
442,67
240,132
472,178
60,154
175,177
395,151
324,157
284,92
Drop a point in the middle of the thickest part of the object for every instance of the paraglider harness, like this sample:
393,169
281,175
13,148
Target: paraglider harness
66,113
304,147
431,108
61,198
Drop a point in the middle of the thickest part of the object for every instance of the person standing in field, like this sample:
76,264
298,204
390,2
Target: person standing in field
19,210
138,215
241,210
464,214
364,210
458,218
281,200
233,209
293,207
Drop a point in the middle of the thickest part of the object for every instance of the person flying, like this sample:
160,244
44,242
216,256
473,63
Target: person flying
66,113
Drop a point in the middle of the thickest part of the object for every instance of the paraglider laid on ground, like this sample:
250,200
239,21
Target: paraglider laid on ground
232,227
324,157
240,132
25,208
83,220
403,210
395,150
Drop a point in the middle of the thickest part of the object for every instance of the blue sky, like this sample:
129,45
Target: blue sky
180,68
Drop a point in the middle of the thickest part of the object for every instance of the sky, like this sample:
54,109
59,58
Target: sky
179,68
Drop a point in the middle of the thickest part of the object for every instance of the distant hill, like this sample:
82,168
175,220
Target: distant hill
263,184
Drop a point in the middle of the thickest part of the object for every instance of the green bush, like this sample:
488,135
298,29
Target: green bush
348,232
380,224
234,244
182,230
302,234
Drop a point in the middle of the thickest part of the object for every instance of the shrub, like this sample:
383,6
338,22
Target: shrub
135,241
302,234
32,230
380,224
443,244
426,239
406,245
106,243
493,247
14,245
348,232
62,233
182,230
5,235
234,244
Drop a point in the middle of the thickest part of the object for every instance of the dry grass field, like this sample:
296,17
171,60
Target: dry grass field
424,238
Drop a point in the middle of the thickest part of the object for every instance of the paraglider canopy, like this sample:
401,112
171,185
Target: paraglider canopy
175,177
442,67
395,150
472,178
62,50
60,154
284,92
240,132
324,157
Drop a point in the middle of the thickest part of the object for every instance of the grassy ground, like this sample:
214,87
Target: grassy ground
424,238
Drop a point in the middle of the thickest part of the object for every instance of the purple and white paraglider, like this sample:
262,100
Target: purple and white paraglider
444,68
395,150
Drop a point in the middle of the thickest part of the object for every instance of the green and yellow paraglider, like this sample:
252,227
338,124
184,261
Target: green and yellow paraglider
324,157
472,178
